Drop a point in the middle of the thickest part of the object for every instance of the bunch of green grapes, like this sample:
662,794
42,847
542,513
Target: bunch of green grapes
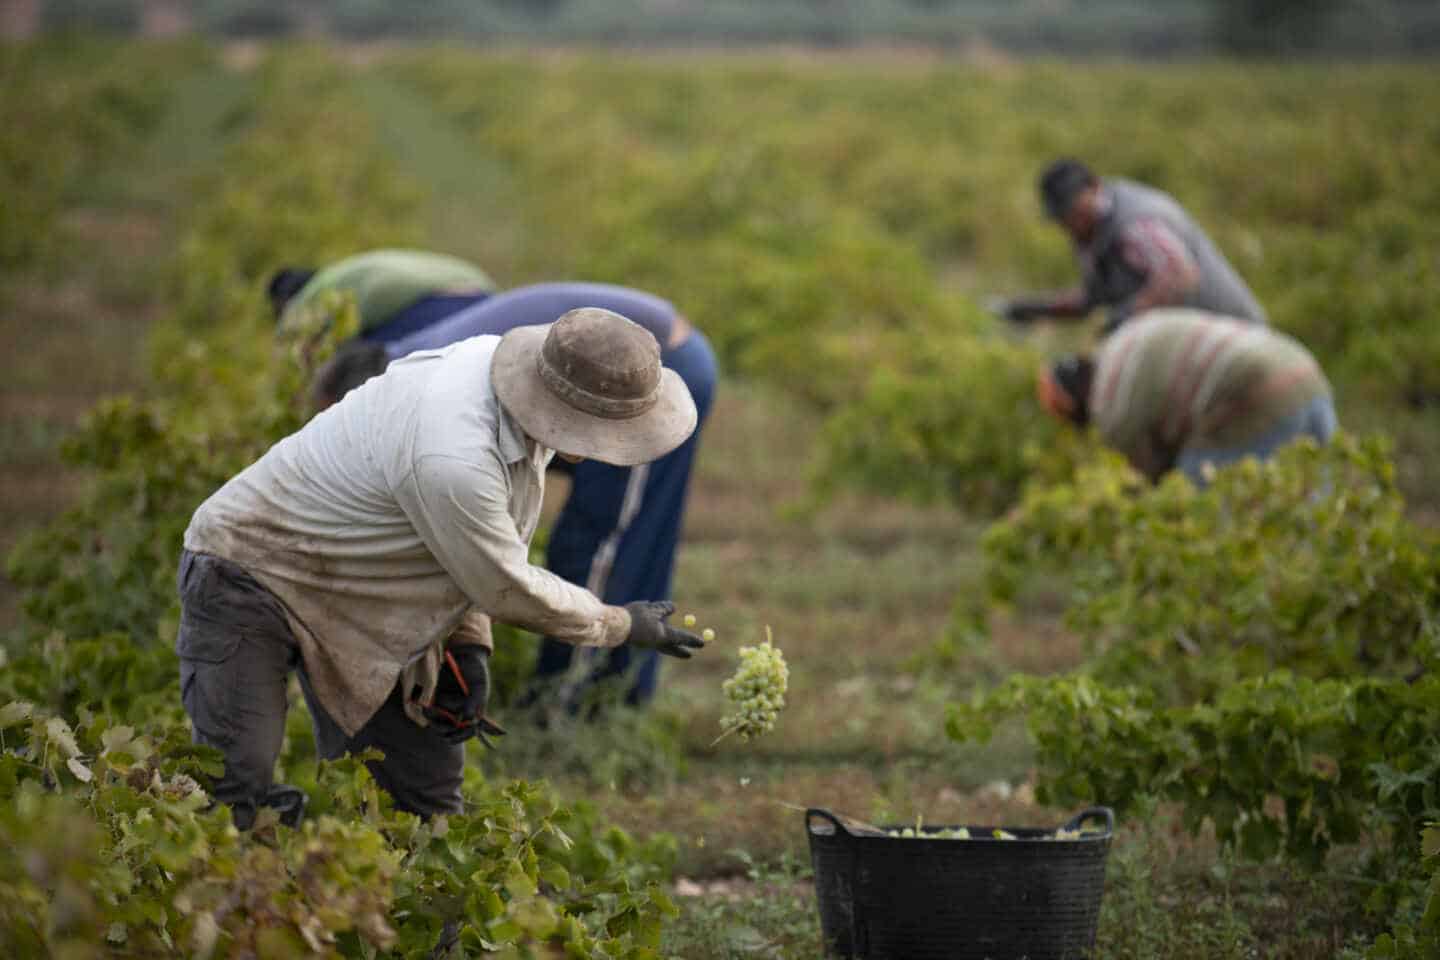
756,693
961,833
916,833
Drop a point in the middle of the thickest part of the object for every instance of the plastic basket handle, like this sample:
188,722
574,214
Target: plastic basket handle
1093,813
838,828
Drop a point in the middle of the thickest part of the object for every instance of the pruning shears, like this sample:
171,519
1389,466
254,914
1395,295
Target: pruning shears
482,725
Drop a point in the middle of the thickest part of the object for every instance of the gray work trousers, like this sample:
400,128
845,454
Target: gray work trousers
236,653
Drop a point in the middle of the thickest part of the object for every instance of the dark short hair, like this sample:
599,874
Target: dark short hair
284,284
354,362
1061,182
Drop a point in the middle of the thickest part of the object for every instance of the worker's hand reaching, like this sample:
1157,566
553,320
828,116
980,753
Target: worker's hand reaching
457,711
649,631
1019,312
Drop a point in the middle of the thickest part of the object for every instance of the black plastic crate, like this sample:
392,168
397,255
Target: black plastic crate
982,898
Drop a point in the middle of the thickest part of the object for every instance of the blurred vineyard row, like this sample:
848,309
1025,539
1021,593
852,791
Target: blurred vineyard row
834,225
71,109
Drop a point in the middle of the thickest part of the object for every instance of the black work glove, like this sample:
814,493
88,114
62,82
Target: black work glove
1022,312
1019,311
649,631
457,711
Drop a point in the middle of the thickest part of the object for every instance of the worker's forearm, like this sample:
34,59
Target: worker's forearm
1067,305
1150,296
1169,269
535,599
459,513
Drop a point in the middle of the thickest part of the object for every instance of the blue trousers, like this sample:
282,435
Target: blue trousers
1316,419
423,313
618,532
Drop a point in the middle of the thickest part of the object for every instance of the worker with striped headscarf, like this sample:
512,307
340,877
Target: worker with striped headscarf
1188,390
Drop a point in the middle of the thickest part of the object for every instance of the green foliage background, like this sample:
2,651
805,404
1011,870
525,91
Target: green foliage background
62,133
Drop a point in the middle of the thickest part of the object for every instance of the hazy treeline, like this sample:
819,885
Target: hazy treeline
1135,27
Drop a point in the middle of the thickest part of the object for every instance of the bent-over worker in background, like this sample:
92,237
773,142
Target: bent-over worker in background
1137,249
1187,390
396,291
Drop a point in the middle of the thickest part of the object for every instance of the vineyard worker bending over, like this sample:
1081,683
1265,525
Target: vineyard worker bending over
619,529
369,550
1137,250
1190,390
396,292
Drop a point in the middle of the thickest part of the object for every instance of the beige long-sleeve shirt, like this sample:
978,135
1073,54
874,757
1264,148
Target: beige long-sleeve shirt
394,519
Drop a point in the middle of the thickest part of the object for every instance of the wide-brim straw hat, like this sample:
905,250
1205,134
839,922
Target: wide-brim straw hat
591,385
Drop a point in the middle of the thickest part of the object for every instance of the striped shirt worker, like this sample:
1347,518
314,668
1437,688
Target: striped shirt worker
1189,390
